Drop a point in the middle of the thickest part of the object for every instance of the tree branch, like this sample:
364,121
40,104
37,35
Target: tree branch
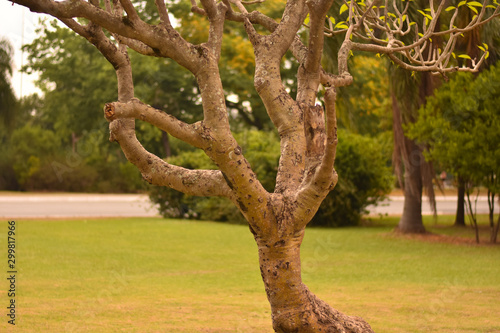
162,11
308,77
165,122
321,179
164,40
158,172
130,10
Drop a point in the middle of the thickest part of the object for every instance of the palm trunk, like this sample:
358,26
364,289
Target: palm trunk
294,307
411,219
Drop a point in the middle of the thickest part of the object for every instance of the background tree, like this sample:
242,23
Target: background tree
8,100
460,126
8,107
471,44
308,136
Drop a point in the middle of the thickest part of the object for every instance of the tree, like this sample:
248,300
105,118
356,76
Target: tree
460,126
308,137
8,106
471,44
8,100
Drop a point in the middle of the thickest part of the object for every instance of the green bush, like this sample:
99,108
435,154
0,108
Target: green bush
364,178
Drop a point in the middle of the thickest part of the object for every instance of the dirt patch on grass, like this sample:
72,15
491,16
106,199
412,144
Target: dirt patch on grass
431,237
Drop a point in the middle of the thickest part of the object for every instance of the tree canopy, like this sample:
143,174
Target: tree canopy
460,127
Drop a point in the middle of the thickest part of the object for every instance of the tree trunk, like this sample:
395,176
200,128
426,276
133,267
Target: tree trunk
411,220
460,216
491,216
294,307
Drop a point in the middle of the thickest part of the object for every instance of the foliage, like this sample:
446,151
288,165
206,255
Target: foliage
262,150
74,79
364,106
362,165
8,100
460,126
365,177
32,146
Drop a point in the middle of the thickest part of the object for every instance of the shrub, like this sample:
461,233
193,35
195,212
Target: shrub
364,178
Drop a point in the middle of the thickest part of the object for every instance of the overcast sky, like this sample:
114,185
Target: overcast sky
13,20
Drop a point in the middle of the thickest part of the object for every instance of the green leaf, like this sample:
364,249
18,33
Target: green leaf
472,8
474,3
343,8
427,16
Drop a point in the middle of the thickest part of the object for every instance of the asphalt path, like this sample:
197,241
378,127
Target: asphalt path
28,205
15,205
445,205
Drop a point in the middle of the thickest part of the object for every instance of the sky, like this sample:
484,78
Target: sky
18,24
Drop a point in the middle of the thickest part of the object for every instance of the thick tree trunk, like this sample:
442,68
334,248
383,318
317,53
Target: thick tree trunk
411,220
460,216
294,307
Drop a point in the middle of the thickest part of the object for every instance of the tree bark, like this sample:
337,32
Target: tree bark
411,219
294,307
460,216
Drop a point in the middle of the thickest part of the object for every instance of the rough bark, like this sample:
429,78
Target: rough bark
411,219
407,154
294,307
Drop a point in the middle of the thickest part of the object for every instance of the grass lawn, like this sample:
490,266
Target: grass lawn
155,275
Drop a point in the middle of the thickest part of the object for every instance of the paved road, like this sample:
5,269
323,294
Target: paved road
446,205
27,205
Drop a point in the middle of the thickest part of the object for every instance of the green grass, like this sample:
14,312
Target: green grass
154,275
